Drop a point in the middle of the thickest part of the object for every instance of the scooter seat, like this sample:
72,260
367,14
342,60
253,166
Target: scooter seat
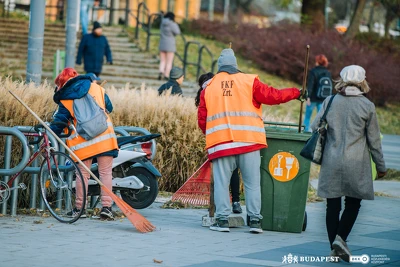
123,140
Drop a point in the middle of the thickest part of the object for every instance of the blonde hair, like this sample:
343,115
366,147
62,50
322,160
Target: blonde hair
363,86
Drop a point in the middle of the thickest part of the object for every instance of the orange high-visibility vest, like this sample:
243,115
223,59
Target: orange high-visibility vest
104,142
231,114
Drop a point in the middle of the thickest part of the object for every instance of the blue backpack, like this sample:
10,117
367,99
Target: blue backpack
90,117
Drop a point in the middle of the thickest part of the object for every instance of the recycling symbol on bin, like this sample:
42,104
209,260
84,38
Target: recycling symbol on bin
284,166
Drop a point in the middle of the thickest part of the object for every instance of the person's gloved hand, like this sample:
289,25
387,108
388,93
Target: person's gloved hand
109,63
303,97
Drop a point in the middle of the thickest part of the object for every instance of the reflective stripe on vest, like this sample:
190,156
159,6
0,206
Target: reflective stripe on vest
235,128
93,141
232,114
227,146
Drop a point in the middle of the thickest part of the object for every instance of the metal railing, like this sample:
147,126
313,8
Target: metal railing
144,20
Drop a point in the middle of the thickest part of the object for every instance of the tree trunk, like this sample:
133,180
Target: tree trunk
211,10
388,20
313,14
356,19
371,18
226,11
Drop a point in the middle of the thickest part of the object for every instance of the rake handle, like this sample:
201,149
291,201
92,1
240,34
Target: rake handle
303,90
57,138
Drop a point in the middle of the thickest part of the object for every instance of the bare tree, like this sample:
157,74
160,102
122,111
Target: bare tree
226,10
392,11
313,14
356,19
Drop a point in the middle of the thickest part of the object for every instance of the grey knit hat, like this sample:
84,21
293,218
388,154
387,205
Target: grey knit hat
227,58
175,73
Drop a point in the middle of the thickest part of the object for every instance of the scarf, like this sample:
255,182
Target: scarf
351,91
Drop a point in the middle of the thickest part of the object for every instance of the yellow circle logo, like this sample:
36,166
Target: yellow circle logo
283,166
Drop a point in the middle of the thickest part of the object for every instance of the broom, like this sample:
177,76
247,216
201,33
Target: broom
196,190
140,222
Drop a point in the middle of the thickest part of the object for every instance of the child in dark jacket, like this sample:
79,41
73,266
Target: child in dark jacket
175,81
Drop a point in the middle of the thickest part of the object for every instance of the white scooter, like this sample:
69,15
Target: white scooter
134,175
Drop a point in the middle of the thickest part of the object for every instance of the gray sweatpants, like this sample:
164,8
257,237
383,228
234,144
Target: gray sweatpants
249,165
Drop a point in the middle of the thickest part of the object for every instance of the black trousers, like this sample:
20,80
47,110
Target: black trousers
337,225
235,186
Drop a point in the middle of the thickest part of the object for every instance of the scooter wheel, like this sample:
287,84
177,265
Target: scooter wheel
140,199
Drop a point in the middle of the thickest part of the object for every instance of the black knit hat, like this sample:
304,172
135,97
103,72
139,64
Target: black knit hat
96,25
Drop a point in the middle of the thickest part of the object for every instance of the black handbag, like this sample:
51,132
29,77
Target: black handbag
314,147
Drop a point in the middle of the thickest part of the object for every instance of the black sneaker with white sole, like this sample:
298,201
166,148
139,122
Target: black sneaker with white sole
106,214
236,208
255,226
73,213
220,225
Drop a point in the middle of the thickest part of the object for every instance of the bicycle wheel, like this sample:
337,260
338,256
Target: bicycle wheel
58,186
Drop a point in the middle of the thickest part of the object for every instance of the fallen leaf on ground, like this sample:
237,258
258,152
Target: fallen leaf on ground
38,222
157,261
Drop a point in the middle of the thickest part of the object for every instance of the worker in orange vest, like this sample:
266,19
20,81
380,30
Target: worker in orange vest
103,147
230,115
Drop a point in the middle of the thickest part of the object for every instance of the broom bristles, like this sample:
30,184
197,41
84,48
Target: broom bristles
140,222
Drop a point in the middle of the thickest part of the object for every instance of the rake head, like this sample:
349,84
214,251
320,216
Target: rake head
140,222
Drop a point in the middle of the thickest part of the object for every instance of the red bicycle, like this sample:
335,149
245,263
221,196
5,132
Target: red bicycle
57,178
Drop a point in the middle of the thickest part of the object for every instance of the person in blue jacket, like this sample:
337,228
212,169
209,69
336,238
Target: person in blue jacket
93,47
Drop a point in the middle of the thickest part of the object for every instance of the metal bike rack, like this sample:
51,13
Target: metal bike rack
7,172
34,170
126,130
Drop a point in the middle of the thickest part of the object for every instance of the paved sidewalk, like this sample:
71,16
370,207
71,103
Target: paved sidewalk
181,241
391,150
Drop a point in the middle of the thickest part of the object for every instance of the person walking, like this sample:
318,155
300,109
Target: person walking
352,137
93,47
175,81
319,87
104,147
230,115
168,30
235,180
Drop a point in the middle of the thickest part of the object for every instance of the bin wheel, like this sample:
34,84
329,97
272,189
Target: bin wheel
305,221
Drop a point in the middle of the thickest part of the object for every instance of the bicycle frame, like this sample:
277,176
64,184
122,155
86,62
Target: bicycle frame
44,148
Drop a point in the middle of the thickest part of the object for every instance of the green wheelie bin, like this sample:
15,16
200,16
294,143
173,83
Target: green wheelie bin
284,179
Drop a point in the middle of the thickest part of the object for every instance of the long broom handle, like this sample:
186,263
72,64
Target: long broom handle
303,90
58,139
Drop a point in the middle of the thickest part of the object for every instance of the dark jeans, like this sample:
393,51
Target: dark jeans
235,186
337,225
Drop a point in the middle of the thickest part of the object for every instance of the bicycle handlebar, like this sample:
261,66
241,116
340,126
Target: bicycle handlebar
38,128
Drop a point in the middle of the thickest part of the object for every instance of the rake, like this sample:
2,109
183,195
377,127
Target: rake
196,190
140,222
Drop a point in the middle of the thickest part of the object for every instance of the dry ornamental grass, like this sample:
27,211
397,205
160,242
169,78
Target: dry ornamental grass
180,149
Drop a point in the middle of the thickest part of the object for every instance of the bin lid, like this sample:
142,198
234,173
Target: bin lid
285,131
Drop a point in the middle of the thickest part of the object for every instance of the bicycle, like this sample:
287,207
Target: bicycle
57,178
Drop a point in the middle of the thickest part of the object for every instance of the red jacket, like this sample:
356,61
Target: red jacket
262,94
